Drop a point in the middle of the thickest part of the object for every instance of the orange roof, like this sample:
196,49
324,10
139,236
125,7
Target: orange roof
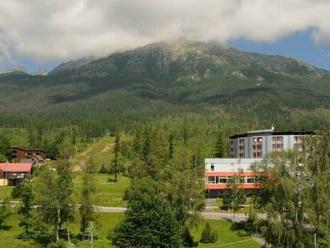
15,167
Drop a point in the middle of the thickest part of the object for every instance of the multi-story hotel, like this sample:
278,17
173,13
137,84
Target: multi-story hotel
247,149
257,144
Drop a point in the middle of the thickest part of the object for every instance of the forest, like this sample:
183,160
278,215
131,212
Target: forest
161,162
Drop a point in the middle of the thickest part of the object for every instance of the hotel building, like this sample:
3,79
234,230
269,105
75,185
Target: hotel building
246,150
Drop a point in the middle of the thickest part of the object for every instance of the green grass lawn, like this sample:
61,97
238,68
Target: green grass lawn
107,193
107,221
226,237
97,154
5,192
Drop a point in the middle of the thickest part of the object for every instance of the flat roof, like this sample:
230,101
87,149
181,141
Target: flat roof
270,132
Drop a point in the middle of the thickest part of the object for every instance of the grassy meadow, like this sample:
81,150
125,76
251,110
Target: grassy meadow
107,221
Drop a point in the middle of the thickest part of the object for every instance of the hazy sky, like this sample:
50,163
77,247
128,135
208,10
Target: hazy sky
37,34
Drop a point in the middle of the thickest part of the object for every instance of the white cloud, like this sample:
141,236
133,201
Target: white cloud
61,29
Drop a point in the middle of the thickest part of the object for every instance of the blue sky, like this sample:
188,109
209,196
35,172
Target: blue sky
38,35
298,45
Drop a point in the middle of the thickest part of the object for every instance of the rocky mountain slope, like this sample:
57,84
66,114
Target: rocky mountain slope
168,76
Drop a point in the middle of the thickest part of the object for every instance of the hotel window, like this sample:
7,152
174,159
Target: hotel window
211,179
298,139
250,179
230,180
257,154
223,180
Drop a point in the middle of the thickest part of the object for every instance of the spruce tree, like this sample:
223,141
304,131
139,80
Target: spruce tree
86,209
149,220
25,210
219,149
115,163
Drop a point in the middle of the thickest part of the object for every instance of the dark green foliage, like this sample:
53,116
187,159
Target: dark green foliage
297,212
208,235
103,169
149,220
5,211
171,147
219,150
25,210
86,209
60,244
4,148
115,163
233,197
53,190
188,240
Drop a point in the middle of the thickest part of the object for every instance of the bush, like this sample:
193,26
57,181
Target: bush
60,244
103,170
208,235
243,233
187,238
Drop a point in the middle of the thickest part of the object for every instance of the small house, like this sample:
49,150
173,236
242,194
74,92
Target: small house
14,173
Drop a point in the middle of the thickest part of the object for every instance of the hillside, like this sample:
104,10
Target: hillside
170,76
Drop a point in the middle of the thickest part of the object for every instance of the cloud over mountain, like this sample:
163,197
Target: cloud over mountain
61,29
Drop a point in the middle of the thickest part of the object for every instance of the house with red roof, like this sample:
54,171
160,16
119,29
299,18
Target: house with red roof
14,173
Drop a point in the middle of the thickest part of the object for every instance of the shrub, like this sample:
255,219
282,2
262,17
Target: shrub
208,235
243,233
187,238
103,170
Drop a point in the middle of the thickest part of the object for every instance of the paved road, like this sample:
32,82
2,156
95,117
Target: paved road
206,214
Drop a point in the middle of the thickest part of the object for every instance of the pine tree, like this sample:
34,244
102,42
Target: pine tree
4,148
171,146
86,209
219,149
26,208
115,163
5,211
149,220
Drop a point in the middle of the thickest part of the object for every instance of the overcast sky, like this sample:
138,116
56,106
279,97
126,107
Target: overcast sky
37,34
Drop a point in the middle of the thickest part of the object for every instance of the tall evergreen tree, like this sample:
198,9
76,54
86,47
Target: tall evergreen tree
149,220
4,148
115,163
26,208
219,149
86,209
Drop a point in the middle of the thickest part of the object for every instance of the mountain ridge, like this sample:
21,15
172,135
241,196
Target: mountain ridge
167,76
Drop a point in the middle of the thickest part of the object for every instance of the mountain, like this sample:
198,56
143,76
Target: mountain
171,76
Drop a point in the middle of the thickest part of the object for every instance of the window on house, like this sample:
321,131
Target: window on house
212,167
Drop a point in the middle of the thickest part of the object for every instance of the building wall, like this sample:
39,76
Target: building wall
218,172
258,145
3,182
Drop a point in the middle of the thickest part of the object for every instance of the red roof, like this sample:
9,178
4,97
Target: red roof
15,167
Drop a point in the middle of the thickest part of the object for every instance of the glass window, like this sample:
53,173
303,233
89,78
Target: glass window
211,179
223,179
250,180
212,167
